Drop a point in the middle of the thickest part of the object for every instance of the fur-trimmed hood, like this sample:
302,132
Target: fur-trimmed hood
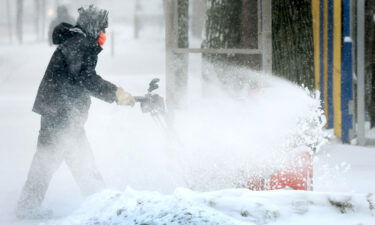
64,31
92,20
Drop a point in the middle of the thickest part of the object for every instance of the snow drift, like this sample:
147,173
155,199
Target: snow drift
226,207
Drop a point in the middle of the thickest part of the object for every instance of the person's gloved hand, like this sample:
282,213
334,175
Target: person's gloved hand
124,98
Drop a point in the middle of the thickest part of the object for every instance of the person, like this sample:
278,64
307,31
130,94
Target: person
63,101
62,16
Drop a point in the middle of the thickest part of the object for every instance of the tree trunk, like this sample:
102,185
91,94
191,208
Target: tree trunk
19,21
9,22
37,7
230,24
198,16
182,60
293,41
43,15
370,59
249,25
136,20
39,19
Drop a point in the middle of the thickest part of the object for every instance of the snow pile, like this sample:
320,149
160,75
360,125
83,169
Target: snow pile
232,206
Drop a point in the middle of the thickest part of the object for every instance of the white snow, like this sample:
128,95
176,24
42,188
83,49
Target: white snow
348,39
226,207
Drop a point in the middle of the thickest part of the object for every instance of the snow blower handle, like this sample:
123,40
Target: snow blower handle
154,104
140,99
153,85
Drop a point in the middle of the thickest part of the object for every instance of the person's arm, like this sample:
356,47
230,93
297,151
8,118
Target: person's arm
82,72
95,84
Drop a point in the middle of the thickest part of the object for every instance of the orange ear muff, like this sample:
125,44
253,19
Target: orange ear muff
102,38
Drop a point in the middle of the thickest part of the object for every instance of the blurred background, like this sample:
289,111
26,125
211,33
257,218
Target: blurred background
26,21
31,22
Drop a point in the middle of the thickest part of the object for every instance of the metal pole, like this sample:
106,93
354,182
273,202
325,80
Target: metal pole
218,51
112,43
267,35
360,72
136,20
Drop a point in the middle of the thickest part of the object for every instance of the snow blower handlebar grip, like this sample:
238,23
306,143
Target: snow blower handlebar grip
140,99
153,85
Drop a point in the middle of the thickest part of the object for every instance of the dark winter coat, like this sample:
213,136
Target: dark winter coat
70,78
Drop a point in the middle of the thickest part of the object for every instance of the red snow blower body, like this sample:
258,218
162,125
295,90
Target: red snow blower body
297,175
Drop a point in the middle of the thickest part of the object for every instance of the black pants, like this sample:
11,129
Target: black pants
61,139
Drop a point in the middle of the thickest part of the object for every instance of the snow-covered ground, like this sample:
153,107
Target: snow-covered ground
130,151
229,207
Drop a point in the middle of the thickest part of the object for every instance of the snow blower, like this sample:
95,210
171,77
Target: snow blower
154,104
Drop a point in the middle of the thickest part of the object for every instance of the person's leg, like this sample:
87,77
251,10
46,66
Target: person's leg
46,161
81,162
